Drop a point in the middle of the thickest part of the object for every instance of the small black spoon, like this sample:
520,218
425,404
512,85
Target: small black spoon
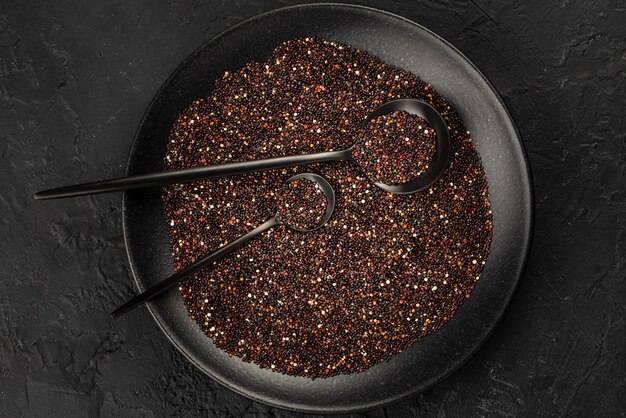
155,290
415,107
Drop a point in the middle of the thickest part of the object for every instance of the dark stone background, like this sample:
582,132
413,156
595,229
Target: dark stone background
75,79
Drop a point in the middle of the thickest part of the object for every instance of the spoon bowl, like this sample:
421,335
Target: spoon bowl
329,194
441,158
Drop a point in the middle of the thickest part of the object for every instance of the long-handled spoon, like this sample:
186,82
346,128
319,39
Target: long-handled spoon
415,107
155,290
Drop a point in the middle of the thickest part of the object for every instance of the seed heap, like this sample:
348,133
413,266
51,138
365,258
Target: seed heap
397,147
385,271
301,204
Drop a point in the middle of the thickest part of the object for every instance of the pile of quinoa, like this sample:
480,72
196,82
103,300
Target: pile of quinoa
385,271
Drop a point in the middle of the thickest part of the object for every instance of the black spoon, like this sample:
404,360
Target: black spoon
155,290
411,106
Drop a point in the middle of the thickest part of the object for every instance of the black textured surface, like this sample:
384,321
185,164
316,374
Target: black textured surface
74,82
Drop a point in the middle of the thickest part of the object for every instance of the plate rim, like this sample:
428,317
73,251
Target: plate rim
527,238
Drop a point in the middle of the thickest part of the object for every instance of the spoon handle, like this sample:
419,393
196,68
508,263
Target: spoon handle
193,268
190,174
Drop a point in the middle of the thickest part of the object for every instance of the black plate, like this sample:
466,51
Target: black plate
398,42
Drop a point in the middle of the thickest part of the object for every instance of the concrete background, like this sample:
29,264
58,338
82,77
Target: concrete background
75,79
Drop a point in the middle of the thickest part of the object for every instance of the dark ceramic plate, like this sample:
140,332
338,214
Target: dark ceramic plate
398,42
